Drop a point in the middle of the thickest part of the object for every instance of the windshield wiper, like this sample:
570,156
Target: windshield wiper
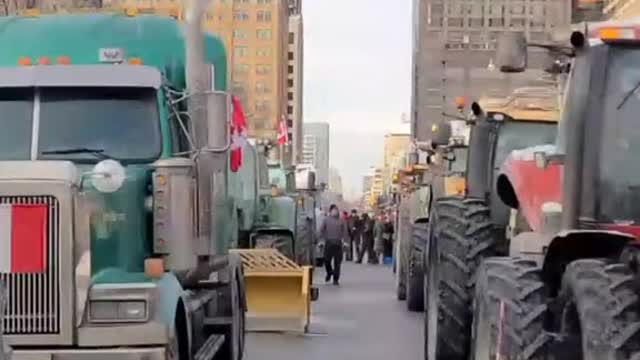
98,153
628,95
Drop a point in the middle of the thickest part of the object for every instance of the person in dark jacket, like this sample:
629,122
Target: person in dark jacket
366,241
387,237
334,232
354,235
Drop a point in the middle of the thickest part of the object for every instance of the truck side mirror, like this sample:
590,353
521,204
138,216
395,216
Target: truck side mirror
511,52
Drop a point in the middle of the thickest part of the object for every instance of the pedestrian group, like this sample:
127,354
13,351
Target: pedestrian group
353,237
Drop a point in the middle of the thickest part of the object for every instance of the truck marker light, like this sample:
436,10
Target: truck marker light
135,61
44,61
154,268
64,60
24,61
23,238
161,180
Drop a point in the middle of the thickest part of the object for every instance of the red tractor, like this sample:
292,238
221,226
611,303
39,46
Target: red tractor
567,284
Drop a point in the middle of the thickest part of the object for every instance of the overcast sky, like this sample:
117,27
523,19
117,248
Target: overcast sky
357,64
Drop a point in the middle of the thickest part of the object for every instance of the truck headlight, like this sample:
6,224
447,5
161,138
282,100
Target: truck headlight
118,311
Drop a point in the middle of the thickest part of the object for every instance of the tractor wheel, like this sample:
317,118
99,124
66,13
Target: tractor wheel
415,269
598,312
400,273
233,347
462,238
281,242
509,310
304,242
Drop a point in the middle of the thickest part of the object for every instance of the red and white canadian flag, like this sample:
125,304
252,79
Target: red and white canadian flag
283,132
238,135
23,238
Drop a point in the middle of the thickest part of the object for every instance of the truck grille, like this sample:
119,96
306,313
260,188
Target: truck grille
33,300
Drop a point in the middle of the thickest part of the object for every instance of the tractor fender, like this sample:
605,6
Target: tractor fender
571,245
522,185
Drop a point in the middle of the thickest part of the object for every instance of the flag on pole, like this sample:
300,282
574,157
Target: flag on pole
23,238
283,132
238,135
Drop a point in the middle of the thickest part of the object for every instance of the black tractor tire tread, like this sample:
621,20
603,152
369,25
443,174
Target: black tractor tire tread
606,302
415,283
517,284
465,238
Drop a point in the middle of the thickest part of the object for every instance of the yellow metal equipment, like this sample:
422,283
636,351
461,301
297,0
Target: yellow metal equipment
278,291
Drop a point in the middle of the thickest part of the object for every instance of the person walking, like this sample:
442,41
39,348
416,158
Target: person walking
388,231
366,241
354,235
334,232
378,242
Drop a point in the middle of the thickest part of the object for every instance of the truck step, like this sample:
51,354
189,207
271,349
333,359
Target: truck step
208,285
210,348
213,321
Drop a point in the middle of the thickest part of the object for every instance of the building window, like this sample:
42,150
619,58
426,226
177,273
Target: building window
263,107
264,34
263,69
239,34
240,51
264,2
240,16
290,69
264,16
290,83
292,38
291,57
262,88
240,69
290,96
264,52
289,109
237,89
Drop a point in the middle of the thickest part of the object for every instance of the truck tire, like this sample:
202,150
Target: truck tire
304,242
510,298
462,238
233,347
415,269
281,242
598,312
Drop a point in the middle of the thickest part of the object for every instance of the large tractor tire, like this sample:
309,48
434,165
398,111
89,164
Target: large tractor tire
598,312
415,268
304,242
280,241
509,311
462,238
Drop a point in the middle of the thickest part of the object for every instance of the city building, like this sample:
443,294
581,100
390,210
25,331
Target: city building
335,181
396,146
255,33
621,9
315,149
454,43
372,188
295,72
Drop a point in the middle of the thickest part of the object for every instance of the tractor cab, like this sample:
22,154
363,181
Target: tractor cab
599,138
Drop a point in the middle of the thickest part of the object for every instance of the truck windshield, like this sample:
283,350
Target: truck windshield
517,135
16,113
619,173
121,123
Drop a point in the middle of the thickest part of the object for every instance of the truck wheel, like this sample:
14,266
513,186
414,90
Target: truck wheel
304,242
233,348
401,270
463,237
281,242
509,310
415,269
598,312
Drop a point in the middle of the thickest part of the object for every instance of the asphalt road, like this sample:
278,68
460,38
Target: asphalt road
360,320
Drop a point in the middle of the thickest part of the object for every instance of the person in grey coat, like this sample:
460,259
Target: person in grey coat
334,232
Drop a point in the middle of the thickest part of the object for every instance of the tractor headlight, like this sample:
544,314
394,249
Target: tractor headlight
118,311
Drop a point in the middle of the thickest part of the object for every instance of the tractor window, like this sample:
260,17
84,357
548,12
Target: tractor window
459,165
517,135
16,113
122,123
619,174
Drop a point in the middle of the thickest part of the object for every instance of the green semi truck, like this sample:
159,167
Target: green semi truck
116,131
